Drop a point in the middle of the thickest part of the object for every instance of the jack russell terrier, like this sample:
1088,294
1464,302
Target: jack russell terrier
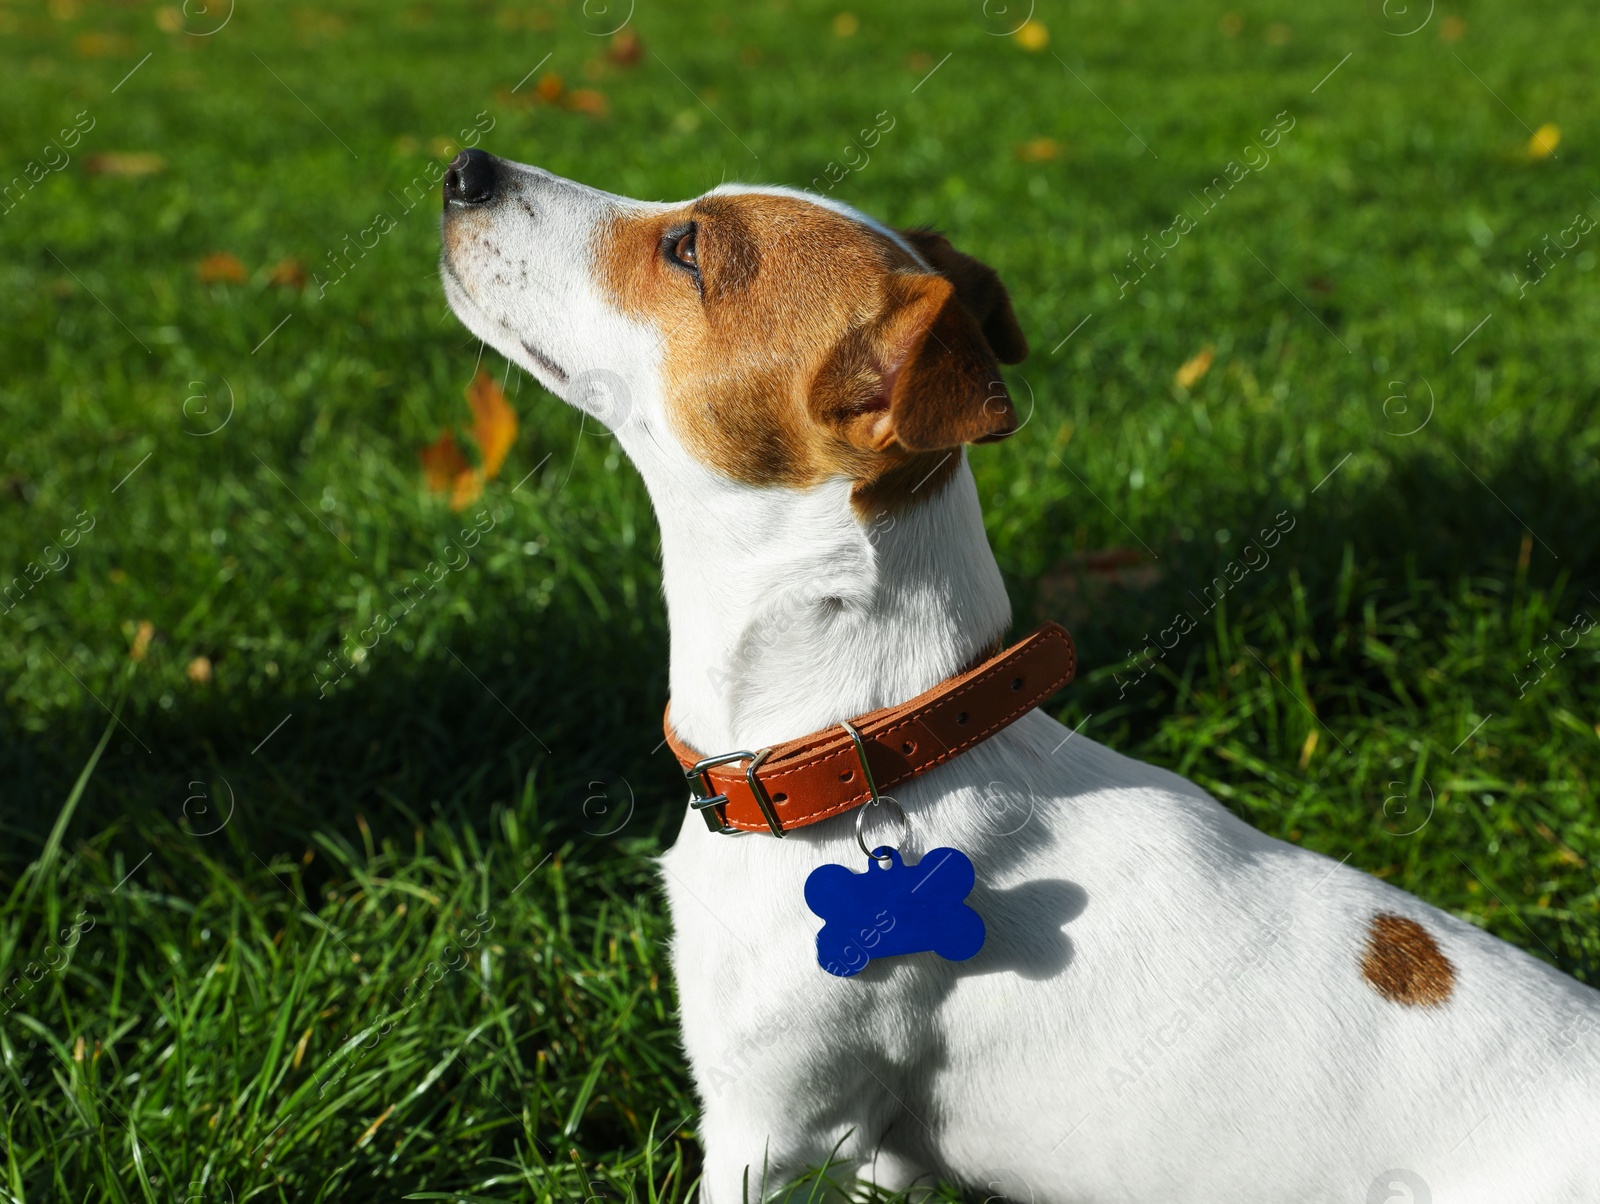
1164,1004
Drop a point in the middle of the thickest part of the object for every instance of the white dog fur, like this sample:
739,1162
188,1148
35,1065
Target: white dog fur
1170,1005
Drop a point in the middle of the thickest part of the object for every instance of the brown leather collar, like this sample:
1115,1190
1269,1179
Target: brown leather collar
804,781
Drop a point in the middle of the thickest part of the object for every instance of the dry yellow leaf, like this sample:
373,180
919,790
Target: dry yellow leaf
373,1128
1309,747
141,639
98,45
199,670
494,422
300,1047
1194,368
1544,141
1032,35
845,24
124,163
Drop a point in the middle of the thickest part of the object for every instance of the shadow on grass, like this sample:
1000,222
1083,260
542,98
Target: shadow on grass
579,707
409,741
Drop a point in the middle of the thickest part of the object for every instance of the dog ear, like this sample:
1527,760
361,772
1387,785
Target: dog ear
979,289
923,375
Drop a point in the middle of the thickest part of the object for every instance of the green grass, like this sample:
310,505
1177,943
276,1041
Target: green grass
396,947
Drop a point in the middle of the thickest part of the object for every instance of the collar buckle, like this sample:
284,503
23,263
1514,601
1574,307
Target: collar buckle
714,806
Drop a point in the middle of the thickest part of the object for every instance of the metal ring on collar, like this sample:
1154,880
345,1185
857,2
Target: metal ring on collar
878,854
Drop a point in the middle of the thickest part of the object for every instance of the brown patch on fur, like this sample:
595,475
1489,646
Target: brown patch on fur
1405,964
813,347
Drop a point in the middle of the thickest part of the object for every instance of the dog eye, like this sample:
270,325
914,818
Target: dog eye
680,248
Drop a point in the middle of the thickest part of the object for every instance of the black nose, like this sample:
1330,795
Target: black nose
471,178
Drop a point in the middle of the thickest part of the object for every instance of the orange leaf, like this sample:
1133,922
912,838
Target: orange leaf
587,100
494,423
468,488
549,87
1038,150
442,463
219,267
288,273
625,48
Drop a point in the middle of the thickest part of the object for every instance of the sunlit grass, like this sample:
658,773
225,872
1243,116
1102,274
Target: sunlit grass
401,935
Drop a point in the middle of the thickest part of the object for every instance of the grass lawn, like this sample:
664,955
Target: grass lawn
325,914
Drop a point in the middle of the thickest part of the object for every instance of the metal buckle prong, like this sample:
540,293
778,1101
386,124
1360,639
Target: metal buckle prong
712,805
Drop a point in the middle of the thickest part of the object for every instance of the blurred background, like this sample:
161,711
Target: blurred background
333,649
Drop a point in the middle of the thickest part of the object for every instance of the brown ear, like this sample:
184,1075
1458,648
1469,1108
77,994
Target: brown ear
979,289
922,376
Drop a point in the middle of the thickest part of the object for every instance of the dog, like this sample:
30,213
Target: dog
1167,1004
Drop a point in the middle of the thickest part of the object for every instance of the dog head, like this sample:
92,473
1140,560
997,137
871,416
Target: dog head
778,339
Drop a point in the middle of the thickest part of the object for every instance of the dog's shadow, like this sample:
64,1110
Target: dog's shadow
1024,928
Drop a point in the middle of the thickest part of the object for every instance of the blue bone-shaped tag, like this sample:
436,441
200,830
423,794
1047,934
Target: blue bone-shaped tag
894,909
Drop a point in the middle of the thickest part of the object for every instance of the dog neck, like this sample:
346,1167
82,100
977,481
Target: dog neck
789,612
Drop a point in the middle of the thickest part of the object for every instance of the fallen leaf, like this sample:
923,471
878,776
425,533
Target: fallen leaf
1278,34
549,87
1309,747
1452,29
442,463
1032,35
300,1047
1231,24
219,267
918,61
169,19
845,25
98,45
1194,368
141,639
468,488
626,48
494,422
199,670
288,273
373,1127
587,100
1038,150
1544,141
124,163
